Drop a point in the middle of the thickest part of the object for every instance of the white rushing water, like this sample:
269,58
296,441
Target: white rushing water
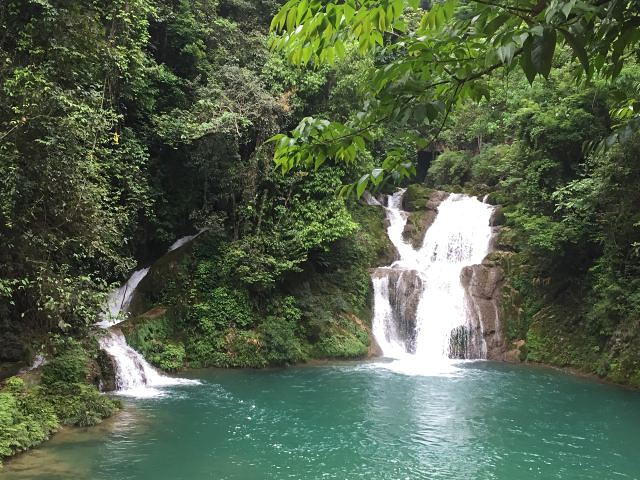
184,240
419,299
119,300
134,375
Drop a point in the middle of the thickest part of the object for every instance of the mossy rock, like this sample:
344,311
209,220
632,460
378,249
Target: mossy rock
345,338
373,234
498,258
417,225
422,204
416,197
497,217
106,371
507,239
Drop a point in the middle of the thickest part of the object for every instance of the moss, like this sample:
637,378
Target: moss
79,404
416,197
153,334
372,235
344,339
551,316
230,348
416,227
70,365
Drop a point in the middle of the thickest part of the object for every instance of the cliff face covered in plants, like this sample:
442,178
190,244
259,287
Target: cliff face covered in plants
127,126
569,239
208,304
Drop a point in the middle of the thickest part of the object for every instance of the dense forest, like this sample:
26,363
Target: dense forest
127,124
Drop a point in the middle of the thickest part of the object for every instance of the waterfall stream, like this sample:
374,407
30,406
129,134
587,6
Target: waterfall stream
419,303
134,375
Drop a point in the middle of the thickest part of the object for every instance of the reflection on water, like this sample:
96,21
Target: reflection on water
487,421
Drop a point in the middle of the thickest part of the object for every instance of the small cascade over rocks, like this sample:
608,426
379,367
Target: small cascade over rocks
134,375
421,312
119,300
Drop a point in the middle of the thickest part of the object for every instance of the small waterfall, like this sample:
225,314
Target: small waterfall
184,240
420,313
120,299
134,375
38,361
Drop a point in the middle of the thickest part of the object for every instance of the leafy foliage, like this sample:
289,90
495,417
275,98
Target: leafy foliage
571,217
427,61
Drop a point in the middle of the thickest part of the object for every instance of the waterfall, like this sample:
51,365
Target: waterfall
420,313
134,375
119,300
184,240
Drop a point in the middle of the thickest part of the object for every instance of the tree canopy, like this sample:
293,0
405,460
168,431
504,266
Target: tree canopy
429,59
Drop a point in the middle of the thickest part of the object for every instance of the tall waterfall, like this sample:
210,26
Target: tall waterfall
419,308
134,375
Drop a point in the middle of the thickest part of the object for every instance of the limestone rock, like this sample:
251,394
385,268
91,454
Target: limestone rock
497,217
422,214
482,284
103,372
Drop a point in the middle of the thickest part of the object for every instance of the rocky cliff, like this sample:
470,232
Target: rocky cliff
483,286
422,204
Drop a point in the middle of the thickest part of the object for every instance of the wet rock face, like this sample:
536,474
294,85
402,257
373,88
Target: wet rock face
483,284
105,372
422,214
405,290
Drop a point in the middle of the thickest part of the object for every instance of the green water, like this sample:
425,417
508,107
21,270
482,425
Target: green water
350,421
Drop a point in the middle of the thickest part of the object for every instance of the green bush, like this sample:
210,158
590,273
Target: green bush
26,418
167,356
70,365
492,165
28,415
222,308
450,169
281,333
342,339
79,404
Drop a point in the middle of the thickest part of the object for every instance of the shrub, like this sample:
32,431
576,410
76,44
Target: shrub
167,356
222,308
343,339
280,332
26,419
70,365
451,168
80,404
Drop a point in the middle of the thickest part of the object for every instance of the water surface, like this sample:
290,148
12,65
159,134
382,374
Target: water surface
349,421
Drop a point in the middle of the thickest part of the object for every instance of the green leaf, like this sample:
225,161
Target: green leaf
577,46
506,52
525,60
377,175
362,185
542,49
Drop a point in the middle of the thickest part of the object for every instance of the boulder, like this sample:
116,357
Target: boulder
405,288
483,284
103,372
422,214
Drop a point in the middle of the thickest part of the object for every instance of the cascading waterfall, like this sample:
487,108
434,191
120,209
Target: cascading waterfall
134,375
419,305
